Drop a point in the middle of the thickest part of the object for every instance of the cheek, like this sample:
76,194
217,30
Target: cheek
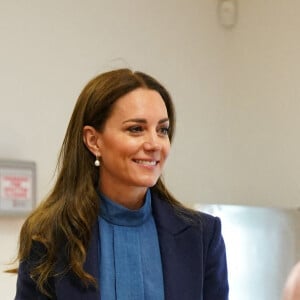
121,146
166,149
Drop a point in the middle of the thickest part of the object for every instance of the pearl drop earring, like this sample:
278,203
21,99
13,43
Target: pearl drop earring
97,162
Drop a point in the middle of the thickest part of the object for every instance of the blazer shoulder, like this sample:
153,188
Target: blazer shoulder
207,225
177,218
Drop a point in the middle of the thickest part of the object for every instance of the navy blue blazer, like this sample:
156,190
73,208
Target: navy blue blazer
193,261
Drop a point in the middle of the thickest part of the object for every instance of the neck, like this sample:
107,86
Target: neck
129,197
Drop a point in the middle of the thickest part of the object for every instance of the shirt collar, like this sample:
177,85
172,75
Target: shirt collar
117,214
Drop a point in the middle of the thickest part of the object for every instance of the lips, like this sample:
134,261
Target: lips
146,162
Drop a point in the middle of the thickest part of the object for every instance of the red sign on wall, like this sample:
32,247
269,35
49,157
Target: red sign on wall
17,186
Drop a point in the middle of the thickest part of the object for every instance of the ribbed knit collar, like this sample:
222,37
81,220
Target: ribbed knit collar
117,214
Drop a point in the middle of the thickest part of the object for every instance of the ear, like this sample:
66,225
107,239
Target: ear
91,138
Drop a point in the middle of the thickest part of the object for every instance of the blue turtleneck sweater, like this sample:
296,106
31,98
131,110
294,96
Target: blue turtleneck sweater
130,262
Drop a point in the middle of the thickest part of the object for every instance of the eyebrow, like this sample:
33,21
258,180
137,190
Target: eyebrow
144,121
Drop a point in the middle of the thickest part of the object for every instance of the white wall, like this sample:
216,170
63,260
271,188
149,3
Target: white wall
241,145
235,90
264,106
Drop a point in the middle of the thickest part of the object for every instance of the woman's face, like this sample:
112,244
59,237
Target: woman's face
134,143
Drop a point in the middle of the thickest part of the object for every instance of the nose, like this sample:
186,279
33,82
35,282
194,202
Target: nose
152,143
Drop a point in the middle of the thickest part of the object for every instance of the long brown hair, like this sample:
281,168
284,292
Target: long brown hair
62,223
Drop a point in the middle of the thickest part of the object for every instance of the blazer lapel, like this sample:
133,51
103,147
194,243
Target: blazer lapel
92,263
70,287
181,252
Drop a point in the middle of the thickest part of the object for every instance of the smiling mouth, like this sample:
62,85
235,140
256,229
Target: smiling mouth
146,162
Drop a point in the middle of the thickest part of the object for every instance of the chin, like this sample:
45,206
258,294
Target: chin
148,183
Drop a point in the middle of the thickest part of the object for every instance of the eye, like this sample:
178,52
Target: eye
135,129
164,130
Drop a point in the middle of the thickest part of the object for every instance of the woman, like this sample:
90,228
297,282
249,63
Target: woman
110,229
